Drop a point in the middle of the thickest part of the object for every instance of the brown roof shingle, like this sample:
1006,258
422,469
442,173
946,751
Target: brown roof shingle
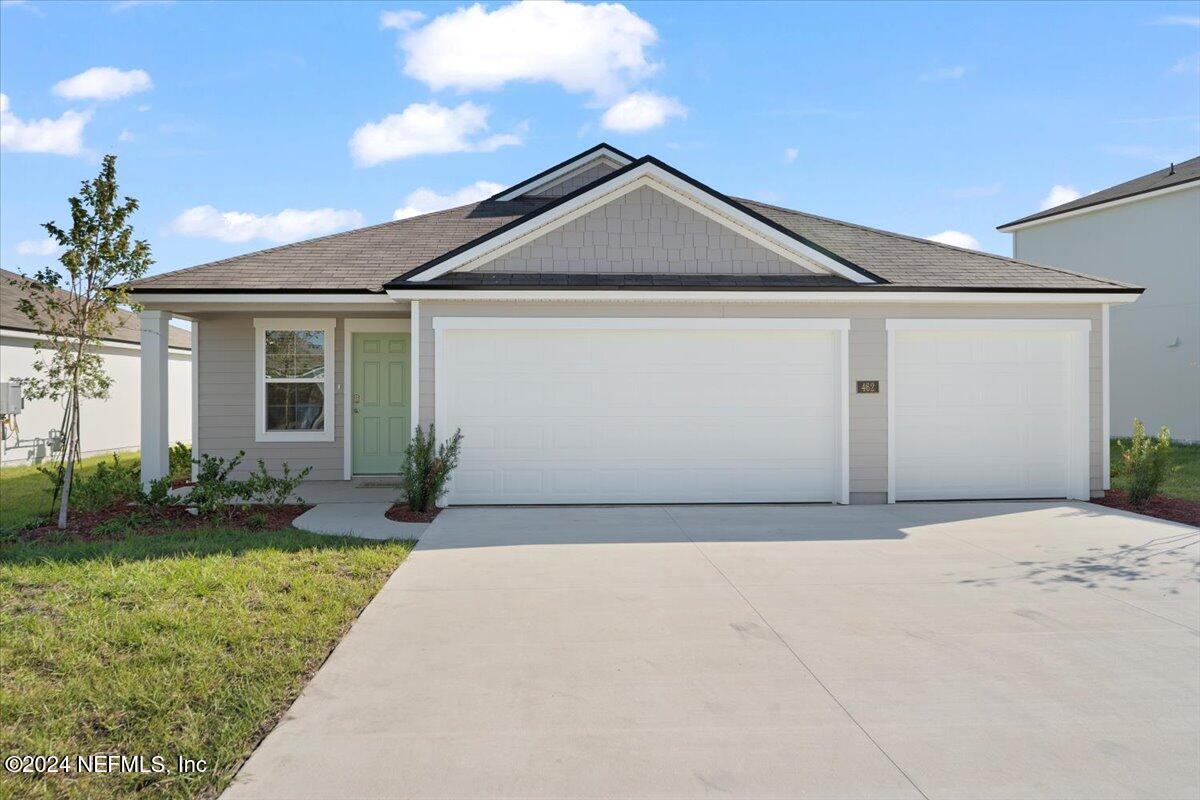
128,328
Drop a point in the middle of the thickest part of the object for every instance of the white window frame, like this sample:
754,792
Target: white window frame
327,325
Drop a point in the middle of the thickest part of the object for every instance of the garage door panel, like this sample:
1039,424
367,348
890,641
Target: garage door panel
632,415
982,413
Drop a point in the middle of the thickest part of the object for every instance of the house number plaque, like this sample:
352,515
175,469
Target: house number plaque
868,387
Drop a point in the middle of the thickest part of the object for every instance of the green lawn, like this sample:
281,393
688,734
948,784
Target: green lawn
23,497
180,644
1183,474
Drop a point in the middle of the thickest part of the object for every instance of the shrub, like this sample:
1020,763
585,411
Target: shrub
273,490
106,486
256,521
1144,463
214,491
158,496
179,459
427,467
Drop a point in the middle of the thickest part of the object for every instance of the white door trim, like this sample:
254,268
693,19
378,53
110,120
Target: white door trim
1079,455
359,325
841,326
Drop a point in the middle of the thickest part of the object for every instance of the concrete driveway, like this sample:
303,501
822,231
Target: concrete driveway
981,650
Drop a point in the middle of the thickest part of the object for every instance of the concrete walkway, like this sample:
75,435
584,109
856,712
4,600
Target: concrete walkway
990,650
364,520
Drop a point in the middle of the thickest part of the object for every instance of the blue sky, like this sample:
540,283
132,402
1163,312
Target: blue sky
241,125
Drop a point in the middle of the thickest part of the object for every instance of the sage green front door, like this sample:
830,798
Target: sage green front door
380,402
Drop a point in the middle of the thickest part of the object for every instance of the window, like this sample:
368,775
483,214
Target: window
294,380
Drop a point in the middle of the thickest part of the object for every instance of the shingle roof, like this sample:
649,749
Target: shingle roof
365,260
1173,175
128,328
360,260
919,263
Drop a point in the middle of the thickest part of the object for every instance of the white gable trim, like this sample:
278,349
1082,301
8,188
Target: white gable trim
662,181
566,172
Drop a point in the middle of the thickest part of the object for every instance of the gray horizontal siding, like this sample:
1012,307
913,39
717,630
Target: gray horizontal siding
226,398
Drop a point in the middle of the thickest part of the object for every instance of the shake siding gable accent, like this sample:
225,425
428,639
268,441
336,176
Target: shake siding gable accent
644,231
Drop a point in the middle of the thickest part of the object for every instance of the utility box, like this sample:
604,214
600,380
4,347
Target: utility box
11,401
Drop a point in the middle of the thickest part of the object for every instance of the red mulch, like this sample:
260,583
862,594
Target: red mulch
82,527
1172,508
400,513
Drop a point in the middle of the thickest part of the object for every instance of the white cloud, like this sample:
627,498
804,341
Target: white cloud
424,200
790,154
1188,65
288,225
62,136
38,247
399,20
427,128
1059,194
597,48
641,111
1190,22
955,238
943,74
103,83
126,136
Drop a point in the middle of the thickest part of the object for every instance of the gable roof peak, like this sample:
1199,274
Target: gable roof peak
602,152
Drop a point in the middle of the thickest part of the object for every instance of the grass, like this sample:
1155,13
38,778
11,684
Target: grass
178,644
1183,473
23,497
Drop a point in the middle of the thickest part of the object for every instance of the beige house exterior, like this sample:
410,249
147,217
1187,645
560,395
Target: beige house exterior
640,337
1148,232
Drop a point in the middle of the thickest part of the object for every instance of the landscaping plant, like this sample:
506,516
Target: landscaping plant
179,459
74,307
214,492
274,490
108,485
426,468
1144,463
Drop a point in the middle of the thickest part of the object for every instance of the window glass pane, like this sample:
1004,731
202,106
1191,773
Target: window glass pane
295,407
294,354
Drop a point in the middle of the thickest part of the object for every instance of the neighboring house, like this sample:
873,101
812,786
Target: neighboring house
613,330
105,426
1146,230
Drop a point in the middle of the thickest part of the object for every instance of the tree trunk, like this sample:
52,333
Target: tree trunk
70,453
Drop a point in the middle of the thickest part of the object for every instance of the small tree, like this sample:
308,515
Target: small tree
73,308
1144,463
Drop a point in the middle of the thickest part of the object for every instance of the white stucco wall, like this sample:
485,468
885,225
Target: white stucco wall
106,426
1155,343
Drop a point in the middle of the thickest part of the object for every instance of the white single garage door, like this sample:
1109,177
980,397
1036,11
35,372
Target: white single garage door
638,411
988,409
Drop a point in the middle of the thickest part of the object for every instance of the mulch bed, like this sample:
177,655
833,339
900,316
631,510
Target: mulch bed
1172,508
82,526
400,513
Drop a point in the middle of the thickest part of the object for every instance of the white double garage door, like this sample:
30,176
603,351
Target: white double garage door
635,410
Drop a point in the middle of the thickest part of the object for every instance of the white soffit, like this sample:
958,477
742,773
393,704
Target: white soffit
658,179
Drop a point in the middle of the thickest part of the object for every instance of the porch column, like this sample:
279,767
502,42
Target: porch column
155,434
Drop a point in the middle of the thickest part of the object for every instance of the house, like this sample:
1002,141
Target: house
1146,230
613,330
105,426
